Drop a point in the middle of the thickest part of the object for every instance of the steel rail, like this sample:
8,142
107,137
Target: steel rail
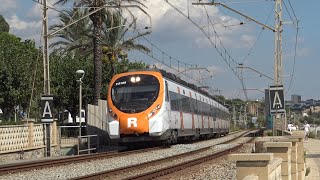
156,173
40,164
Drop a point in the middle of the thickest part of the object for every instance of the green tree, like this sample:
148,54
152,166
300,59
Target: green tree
97,20
114,47
4,26
75,37
65,86
19,73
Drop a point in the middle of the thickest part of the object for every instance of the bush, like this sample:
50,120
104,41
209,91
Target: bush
312,135
270,133
307,171
4,122
232,128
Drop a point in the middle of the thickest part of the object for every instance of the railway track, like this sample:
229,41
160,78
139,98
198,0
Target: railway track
32,165
25,166
164,166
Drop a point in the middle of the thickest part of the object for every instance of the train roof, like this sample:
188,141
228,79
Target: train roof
177,79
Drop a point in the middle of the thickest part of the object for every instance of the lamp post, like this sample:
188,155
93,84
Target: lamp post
81,72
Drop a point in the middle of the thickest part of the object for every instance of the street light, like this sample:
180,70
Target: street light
81,72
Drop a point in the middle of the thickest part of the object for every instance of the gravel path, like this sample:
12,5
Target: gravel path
81,169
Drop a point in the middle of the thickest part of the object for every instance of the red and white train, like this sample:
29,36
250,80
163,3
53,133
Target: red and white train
153,105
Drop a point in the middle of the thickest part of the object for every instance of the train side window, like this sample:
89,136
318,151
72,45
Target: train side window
174,101
167,93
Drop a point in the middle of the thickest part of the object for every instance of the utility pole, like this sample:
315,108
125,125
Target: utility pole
278,68
240,118
245,115
234,116
46,76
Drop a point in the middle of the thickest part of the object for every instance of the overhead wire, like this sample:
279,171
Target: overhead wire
257,1
292,9
293,21
153,57
294,57
262,29
222,50
35,73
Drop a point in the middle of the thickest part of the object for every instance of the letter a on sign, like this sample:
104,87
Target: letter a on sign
47,110
47,106
277,102
276,99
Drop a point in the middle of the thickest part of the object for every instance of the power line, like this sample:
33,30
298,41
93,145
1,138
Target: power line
292,10
294,57
223,52
151,56
294,22
262,29
257,1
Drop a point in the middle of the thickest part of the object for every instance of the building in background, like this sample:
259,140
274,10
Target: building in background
295,99
253,108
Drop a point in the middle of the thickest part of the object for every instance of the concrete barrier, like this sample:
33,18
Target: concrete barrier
263,165
281,150
287,150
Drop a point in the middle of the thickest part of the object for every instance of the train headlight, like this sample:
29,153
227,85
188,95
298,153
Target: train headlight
135,79
153,112
114,115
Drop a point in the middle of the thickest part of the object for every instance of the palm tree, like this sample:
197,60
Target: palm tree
97,20
76,36
114,45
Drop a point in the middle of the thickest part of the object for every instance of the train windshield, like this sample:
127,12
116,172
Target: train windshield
135,93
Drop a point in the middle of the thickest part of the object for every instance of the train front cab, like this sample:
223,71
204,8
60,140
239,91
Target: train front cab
137,107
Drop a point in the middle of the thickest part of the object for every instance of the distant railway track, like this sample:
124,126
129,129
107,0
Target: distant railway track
25,166
134,172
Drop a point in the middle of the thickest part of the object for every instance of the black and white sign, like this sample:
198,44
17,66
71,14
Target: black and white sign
276,97
47,107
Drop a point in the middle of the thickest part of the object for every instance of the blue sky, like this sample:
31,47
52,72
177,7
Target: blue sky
177,37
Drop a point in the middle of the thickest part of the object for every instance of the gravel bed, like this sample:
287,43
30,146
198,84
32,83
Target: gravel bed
81,169
217,169
214,149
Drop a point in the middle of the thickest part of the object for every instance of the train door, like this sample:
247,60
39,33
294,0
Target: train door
167,103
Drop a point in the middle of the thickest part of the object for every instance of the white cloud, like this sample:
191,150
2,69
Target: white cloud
228,28
30,25
247,40
37,10
17,24
299,40
302,52
215,70
7,6
168,21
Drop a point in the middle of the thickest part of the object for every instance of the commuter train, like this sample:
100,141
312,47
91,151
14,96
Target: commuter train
154,105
